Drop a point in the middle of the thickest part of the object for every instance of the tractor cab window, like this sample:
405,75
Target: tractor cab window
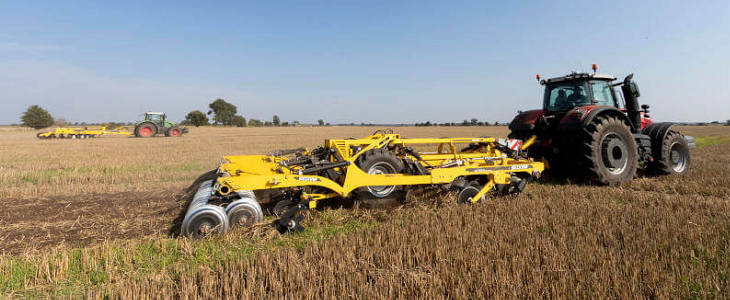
602,94
154,117
565,96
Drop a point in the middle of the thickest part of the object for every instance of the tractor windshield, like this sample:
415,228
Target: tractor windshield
564,96
154,117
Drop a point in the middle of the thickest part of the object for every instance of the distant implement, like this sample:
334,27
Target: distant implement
82,133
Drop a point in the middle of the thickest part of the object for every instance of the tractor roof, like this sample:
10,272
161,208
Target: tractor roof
154,113
575,76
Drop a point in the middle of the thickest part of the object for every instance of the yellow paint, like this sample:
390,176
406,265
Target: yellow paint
259,172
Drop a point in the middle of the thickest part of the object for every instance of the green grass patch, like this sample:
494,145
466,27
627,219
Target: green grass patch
95,266
704,141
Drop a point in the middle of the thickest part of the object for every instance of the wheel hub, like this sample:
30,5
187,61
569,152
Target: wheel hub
677,157
614,153
380,168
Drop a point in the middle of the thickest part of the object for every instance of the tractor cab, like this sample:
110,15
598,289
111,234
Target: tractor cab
156,117
565,93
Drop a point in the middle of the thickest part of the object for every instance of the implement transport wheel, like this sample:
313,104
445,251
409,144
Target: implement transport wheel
674,157
468,193
379,161
145,130
607,151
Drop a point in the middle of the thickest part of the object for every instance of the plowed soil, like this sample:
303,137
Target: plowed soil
34,224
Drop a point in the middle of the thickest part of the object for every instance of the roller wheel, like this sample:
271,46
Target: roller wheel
244,212
380,161
606,151
145,130
674,157
173,132
468,192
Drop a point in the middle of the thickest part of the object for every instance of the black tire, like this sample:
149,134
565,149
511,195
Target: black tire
173,132
468,192
141,130
607,151
674,156
282,206
40,136
380,161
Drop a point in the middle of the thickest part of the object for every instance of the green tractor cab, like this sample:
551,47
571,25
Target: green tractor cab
155,123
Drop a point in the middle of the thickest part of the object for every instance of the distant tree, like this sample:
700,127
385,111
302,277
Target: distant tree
328,124
727,123
267,124
285,124
196,118
320,122
36,117
275,120
223,111
255,123
474,121
428,123
60,122
238,121
465,123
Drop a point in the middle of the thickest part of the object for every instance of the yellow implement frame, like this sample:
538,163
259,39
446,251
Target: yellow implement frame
483,159
63,132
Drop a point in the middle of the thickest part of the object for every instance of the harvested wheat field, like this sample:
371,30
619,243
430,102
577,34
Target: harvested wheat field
97,218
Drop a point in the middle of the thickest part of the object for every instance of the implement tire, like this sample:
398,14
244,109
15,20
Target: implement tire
607,151
379,161
674,157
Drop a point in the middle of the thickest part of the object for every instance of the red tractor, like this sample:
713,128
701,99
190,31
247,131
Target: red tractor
588,130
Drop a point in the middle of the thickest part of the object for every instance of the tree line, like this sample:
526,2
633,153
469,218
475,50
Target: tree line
225,114
472,122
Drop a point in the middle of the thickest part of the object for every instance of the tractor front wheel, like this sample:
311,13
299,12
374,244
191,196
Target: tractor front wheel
173,132
674,157
608,151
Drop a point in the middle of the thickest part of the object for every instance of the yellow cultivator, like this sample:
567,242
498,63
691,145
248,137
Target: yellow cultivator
79,133
381,167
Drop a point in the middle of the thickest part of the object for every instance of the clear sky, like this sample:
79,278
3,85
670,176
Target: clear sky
354,61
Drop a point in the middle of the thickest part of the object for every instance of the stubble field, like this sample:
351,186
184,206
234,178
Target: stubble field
94,218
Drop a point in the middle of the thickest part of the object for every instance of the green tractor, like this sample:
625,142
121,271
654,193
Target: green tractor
155,123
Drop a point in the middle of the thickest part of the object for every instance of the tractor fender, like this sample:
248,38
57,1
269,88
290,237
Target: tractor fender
525,120
147,122
580,117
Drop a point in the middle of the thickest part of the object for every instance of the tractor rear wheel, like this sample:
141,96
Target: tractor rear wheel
674,156
607,151
379,161
145,130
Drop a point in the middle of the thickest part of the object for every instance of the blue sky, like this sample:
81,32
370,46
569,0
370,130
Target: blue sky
354,61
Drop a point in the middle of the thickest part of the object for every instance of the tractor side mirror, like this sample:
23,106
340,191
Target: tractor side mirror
645,107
